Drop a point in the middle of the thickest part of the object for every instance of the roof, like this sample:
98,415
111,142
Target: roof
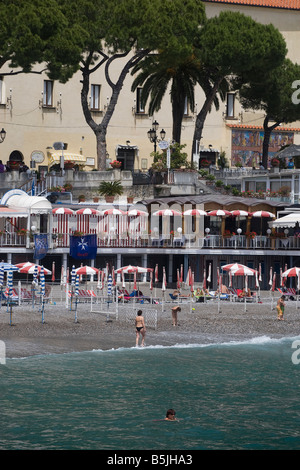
9,212
18,200
282,4
277,129
218,199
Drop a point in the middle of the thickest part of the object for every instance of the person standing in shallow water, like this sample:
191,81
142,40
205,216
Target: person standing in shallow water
140,328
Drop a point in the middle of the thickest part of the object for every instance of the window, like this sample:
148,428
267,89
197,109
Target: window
48,93
186,107
139,108
230,99
95,97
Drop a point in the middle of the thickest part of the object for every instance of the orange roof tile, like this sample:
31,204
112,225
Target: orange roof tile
283,4
279,128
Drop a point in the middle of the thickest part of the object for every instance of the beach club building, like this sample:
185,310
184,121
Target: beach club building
201,232
36,112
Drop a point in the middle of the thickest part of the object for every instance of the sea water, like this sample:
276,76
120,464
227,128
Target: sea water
226,396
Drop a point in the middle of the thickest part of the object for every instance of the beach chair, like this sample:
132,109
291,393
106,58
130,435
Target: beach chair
14,297
26,295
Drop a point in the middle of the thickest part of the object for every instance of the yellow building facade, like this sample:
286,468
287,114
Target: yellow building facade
36,112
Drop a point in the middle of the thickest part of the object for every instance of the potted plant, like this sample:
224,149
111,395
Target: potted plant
22,231
116,164
275,163
81,198
204,163
110,189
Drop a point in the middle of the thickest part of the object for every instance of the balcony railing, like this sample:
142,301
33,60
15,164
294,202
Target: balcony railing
11,239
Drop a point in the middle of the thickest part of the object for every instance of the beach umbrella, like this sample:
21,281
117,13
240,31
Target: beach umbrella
181,273
228,267
32,268
196,212
109,285
1,278
73,275
42,281
134,281
243,272
53,272
239,213
164,282
188,279
151,280
113,276
133,269
262,214
86,270
274,282
137,212
156,273
178,279
88,211
113,211
77,285
8,266
219,213
292,272
204,285
209,273
62,211
62,273
166,212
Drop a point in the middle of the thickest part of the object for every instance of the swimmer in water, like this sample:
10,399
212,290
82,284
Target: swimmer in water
170,415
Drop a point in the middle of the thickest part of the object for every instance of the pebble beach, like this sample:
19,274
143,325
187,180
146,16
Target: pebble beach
25,334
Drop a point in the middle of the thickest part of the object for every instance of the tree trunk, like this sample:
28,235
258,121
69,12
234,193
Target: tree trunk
266,142
177,114
201,116
100,130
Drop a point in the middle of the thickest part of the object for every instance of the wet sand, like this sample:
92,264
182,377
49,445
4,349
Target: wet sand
208,323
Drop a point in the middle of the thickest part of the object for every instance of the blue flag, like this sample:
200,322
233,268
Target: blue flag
83,247
40,245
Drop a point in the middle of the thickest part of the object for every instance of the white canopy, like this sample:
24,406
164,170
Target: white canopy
19,200
289,220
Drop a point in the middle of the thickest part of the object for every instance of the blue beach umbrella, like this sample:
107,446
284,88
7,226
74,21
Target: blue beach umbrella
10,287
1,277
109,285
77,285
73,276
35,274
8,266
42,280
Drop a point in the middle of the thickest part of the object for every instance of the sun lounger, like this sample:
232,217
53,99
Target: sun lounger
289,293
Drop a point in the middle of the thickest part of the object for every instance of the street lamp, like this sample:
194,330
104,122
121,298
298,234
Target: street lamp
2,135
152,134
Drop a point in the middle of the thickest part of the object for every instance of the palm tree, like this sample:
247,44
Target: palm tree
154,78
157,71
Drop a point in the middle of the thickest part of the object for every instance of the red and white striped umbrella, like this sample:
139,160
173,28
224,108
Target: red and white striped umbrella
156,274
239,213
113,211
239,270
164,282
87,270
167,212
137,212
219,213
262,214
62,210
133,269
196,212
292,272
88,211
53,271
227,267
28,268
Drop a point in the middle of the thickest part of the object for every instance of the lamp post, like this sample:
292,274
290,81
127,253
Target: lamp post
2,135
152,134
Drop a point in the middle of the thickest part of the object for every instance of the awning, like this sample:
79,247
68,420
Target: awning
70,157
289,220
8,212
33,204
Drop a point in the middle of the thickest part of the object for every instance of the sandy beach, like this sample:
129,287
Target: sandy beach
200,323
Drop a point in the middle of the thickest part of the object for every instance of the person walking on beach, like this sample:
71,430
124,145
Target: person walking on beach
280,307
140,328
175,310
